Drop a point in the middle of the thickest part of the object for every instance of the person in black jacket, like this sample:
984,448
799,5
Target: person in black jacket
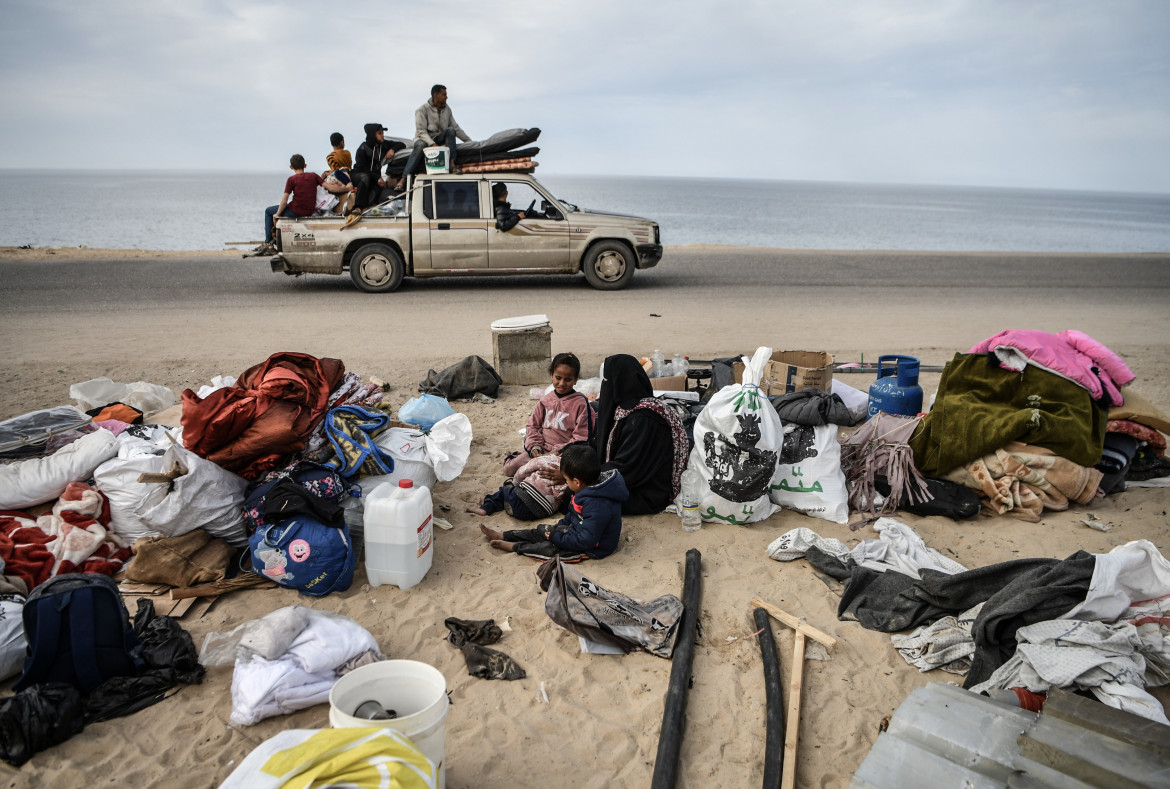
506,218
592,527
372,155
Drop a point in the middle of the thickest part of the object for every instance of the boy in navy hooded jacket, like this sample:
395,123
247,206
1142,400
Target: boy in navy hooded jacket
593,525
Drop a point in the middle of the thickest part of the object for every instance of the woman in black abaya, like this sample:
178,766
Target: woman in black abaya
639,436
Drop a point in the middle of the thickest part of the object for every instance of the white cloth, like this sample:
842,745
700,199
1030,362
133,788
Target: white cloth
898,548
300,652
33,481
1129,573
945,643
1106,659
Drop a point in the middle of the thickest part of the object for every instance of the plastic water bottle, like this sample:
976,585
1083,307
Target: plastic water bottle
399,534
680,365
688,500
657,364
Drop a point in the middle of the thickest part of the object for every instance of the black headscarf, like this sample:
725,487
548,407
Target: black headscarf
624,384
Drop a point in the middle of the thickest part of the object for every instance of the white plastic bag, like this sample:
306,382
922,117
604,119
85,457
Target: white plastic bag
12,640
205,497
217,382
808,474
409,449
738,438
37,480
146,397
449,446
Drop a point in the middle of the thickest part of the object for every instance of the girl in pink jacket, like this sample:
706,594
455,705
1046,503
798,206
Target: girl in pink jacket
562,417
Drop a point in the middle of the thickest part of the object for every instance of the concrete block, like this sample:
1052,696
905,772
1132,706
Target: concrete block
522,356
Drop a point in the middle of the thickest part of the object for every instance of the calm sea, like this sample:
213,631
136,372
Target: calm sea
191,211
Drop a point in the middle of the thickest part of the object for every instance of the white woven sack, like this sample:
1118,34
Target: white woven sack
812,482
207,497
738,437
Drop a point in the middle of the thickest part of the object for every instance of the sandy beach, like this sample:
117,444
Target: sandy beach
205,314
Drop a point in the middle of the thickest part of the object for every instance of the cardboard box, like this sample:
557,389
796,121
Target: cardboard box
791,371
669,383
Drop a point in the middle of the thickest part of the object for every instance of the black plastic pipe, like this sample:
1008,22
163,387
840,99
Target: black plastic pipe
674,714
774,694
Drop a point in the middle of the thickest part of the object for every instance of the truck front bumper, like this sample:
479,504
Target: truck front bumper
649,255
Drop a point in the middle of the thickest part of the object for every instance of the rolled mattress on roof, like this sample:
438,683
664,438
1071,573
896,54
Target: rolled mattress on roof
500,142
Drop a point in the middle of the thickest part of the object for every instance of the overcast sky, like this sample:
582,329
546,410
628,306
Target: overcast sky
1063,94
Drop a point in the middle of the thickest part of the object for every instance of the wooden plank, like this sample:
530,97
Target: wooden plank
180,607
795,623
199,607
142,590
792,726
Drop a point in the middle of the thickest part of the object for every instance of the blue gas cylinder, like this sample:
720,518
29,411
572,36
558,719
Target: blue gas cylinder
896,390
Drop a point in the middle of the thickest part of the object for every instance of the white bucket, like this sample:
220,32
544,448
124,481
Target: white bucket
416,691
438,159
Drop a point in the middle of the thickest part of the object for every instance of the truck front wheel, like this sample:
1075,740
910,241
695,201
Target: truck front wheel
609,265
377,268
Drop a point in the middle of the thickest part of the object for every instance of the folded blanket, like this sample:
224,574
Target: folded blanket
1022,481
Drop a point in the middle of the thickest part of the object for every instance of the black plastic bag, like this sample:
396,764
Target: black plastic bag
170,657
37,718
463,379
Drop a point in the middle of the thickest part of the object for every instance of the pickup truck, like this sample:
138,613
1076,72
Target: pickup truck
444,225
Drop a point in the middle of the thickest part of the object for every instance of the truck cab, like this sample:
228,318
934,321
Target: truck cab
445,225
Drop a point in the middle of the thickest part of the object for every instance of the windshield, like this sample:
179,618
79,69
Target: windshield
568,205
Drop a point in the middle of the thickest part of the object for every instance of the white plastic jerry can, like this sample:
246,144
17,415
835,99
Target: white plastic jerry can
399,534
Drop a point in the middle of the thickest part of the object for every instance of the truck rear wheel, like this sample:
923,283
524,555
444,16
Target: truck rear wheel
377,268
609,265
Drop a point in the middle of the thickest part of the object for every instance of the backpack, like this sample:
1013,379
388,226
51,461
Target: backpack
79,633
304,554
323,482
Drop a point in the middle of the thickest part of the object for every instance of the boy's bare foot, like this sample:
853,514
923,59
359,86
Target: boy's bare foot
502,545
477,511
491,534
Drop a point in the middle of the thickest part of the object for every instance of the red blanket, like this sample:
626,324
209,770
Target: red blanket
269,413
73,538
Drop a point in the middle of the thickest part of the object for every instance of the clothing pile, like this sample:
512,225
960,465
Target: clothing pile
1021,419
287,660
1093,622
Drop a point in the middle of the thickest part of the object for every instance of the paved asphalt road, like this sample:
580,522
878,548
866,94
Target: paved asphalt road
684,274
202,315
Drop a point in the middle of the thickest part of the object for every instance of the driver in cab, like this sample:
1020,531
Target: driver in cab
506,218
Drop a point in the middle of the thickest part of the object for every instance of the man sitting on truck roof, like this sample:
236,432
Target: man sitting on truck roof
434,125
372,155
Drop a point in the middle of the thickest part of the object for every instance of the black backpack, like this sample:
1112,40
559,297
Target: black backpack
78,632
